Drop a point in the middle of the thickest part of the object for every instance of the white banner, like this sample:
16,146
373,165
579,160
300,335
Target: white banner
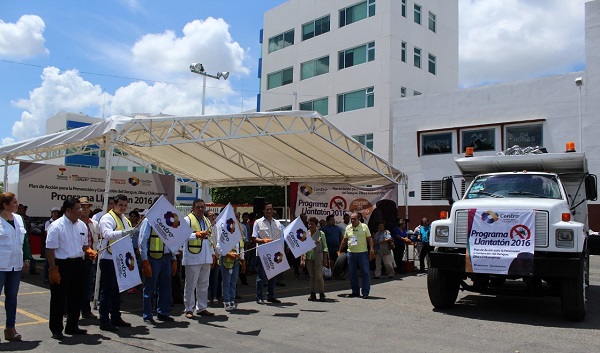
168,224
501,242
320,200
229,233
273,259
43,186
297,238
128,275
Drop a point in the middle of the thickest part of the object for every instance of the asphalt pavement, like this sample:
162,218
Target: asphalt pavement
397,317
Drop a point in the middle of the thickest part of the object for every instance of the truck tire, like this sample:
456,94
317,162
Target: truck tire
442,287
340,266
574,294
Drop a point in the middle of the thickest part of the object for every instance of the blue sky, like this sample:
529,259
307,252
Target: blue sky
132,56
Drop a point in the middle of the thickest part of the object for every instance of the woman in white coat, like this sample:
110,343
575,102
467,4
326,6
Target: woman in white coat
12,234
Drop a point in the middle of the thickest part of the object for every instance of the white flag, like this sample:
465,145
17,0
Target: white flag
273,259
168,223
297,238
228,230
128,275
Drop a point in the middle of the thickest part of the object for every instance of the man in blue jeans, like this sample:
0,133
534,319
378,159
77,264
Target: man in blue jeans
357,236
266,229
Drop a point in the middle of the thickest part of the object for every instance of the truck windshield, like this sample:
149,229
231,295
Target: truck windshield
515,185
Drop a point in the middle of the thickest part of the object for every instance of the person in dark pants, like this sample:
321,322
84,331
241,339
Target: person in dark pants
399,236
334,236
89,266
66,245
423,235
113,226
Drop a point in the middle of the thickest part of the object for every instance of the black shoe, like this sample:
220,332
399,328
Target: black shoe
120,323
353,295
75,331
149,321
365,296
165,318
321,297
58,336
108,327
313,297
274,300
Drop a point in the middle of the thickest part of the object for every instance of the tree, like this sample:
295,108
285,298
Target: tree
246,194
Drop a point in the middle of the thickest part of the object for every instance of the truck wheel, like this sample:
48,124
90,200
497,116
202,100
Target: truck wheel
573,295
340,266
442,287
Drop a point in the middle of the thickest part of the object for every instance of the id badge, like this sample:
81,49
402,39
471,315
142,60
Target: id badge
353,240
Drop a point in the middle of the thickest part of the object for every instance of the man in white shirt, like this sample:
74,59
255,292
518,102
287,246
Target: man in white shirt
66,245
198,258
113,226
266,229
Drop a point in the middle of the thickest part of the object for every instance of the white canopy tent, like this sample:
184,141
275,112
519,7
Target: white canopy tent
272,148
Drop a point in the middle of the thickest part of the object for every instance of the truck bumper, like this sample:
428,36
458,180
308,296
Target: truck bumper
545,264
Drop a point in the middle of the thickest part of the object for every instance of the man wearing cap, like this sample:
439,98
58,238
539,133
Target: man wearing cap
93,232
66,245
113,226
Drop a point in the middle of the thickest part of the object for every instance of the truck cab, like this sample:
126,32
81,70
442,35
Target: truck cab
523,218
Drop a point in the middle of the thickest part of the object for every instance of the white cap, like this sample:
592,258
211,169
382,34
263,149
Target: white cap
55,209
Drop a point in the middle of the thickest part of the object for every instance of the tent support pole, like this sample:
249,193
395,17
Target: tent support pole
108,154
406,201
5,185
286,209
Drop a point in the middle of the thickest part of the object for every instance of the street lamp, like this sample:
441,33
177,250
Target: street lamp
197,68
579,83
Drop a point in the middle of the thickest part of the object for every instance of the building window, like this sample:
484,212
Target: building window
431,21
438,143
431,190
281,41
318,105
119,168
417,57
357,12
403,52
480,139
314,68
315,28
366,139
403,8
355,56
360,99
402,92
432,64
280,78
185,189
281,109
417,93
524,135
137,169
417,14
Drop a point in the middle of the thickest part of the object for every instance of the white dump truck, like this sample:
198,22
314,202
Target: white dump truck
520,228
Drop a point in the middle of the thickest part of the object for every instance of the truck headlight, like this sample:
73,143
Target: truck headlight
441,234
564,238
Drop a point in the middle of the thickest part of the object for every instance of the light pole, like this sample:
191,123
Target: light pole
579,83
199,69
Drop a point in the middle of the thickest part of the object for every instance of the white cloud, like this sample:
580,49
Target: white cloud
506,40
23,39
206,41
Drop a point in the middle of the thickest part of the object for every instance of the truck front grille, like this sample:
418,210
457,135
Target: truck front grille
461,227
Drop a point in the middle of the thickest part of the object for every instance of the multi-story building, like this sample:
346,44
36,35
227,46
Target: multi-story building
350,59
185,191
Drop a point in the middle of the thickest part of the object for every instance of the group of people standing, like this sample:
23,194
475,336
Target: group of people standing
75,242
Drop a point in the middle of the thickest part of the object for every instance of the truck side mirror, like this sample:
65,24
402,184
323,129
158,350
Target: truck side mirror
447,184
591,190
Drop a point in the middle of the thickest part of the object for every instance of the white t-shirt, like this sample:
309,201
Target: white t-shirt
67,238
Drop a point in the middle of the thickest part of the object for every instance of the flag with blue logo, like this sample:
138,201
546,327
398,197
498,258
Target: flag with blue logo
297,238
168,223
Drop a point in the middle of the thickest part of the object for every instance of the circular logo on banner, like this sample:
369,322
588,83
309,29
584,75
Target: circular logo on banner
306,190
520,231
230,225
278,257
301,234
489,217
338,203
171,219
129,261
